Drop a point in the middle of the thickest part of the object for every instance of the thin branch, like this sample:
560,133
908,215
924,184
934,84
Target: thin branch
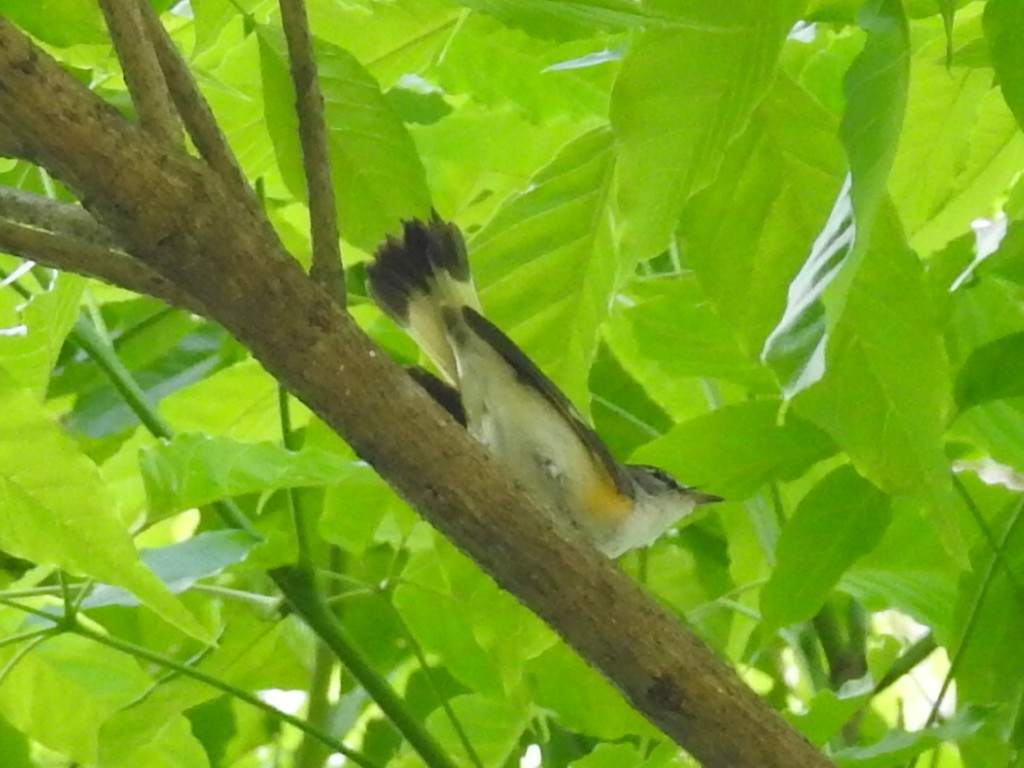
142,73
68,219
195,111
102,352
327,268
84,258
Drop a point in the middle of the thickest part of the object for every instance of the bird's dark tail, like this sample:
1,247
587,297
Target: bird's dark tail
417,277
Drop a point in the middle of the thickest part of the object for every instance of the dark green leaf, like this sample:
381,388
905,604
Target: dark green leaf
842,518
180,565
994,371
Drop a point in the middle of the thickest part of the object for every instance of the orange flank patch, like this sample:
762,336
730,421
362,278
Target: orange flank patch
605,503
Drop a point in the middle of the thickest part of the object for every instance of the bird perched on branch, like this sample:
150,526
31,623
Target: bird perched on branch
423,282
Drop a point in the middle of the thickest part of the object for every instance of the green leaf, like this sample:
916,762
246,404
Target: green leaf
429,604
192,470
172,745
876,88
180,565
828,711
959,149
909,570
885,395
747,234
34,330
898,747
56,510
796,347
377,174
876,91
988,619
240,402
561,19
669,326
736,449
58,22
392,40
582,700
13,746
554,243
1004,29
61,692
842,518
524,71
992,372
611,756
493,725
682,95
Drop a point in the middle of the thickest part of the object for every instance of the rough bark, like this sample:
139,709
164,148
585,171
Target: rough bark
179,218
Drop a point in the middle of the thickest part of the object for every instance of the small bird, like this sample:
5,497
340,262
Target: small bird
423,282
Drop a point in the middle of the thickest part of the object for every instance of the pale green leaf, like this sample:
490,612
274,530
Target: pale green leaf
240,402
899,746
391,40
493,725
736,449
193,470
886,394
477,158
842,518
748,233
669,326
582,700
524,71
62,692
1004,29
58,22
959,150
682,96
56,510
561,19
554,244
33,330
876,90
429,605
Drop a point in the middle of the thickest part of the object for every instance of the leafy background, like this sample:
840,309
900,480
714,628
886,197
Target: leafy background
773,247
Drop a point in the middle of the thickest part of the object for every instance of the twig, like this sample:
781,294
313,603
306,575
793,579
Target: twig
110,266
327,268
55,216
195,111
142,73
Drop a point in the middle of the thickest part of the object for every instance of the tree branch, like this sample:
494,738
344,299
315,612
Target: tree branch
316,162
183,221
142,73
